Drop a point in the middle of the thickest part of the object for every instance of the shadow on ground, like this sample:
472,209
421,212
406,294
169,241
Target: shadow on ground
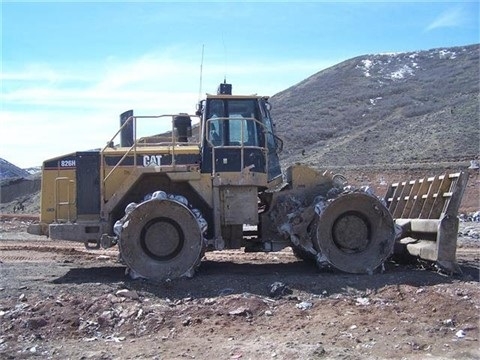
216,278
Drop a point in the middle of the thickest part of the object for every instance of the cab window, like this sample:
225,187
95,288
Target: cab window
232,122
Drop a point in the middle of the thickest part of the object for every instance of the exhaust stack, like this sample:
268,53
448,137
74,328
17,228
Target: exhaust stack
126,135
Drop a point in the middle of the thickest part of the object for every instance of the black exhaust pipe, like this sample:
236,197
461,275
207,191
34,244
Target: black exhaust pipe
126,135
183,127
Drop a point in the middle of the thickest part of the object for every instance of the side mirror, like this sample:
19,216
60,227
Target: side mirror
199,108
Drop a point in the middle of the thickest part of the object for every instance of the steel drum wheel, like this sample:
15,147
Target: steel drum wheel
161,239
355,233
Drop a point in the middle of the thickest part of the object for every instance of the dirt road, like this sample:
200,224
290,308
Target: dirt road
61,301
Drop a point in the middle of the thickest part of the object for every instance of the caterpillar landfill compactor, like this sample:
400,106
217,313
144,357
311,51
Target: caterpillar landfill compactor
165,201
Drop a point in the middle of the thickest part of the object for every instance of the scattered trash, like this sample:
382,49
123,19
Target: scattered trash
268,313
448,322
115,338
241,311
363,301
209,301
279,289
90,339
131,294
474,164
304,305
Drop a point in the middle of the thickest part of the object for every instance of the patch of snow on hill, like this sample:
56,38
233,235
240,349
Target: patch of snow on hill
391,66
367,64
33,170
446,54
402,72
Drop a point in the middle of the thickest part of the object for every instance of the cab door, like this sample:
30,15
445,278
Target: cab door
274,144
233,136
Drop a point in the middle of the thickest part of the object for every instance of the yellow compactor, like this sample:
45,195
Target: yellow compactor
165,201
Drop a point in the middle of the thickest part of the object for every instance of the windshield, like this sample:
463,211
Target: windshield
241,127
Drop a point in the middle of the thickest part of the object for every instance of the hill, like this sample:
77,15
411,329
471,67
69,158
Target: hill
8,170
19,188
383,109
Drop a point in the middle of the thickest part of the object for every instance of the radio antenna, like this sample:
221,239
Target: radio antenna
224,58
201,75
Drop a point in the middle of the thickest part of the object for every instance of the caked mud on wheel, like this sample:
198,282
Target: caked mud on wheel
161,239
355,233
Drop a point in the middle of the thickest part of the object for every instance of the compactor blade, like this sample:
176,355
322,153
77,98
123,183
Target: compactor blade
427,211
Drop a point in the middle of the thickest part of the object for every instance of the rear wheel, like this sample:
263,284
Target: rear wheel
161,239
355,233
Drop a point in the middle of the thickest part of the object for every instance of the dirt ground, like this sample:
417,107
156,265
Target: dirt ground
61,301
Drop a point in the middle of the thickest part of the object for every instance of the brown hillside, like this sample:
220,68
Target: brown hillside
376,110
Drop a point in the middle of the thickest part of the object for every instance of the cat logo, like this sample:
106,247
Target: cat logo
152,160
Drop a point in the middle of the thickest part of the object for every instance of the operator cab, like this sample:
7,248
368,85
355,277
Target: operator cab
238,133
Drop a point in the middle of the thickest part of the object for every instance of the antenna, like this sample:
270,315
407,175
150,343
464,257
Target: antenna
224,57
201,74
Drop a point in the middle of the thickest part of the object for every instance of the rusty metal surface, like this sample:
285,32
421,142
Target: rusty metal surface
427,210
161,239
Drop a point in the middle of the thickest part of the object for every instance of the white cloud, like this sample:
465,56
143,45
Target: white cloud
29,137
41,72
449,18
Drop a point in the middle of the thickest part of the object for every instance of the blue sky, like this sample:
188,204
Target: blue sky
70,68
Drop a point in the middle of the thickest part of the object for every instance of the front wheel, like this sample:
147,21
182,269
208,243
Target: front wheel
355,233
161,239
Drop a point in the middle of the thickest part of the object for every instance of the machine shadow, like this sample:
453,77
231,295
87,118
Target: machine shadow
218,278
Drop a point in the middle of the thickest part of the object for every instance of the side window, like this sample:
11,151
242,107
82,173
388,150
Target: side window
214,132
215,111
252,132
271,142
